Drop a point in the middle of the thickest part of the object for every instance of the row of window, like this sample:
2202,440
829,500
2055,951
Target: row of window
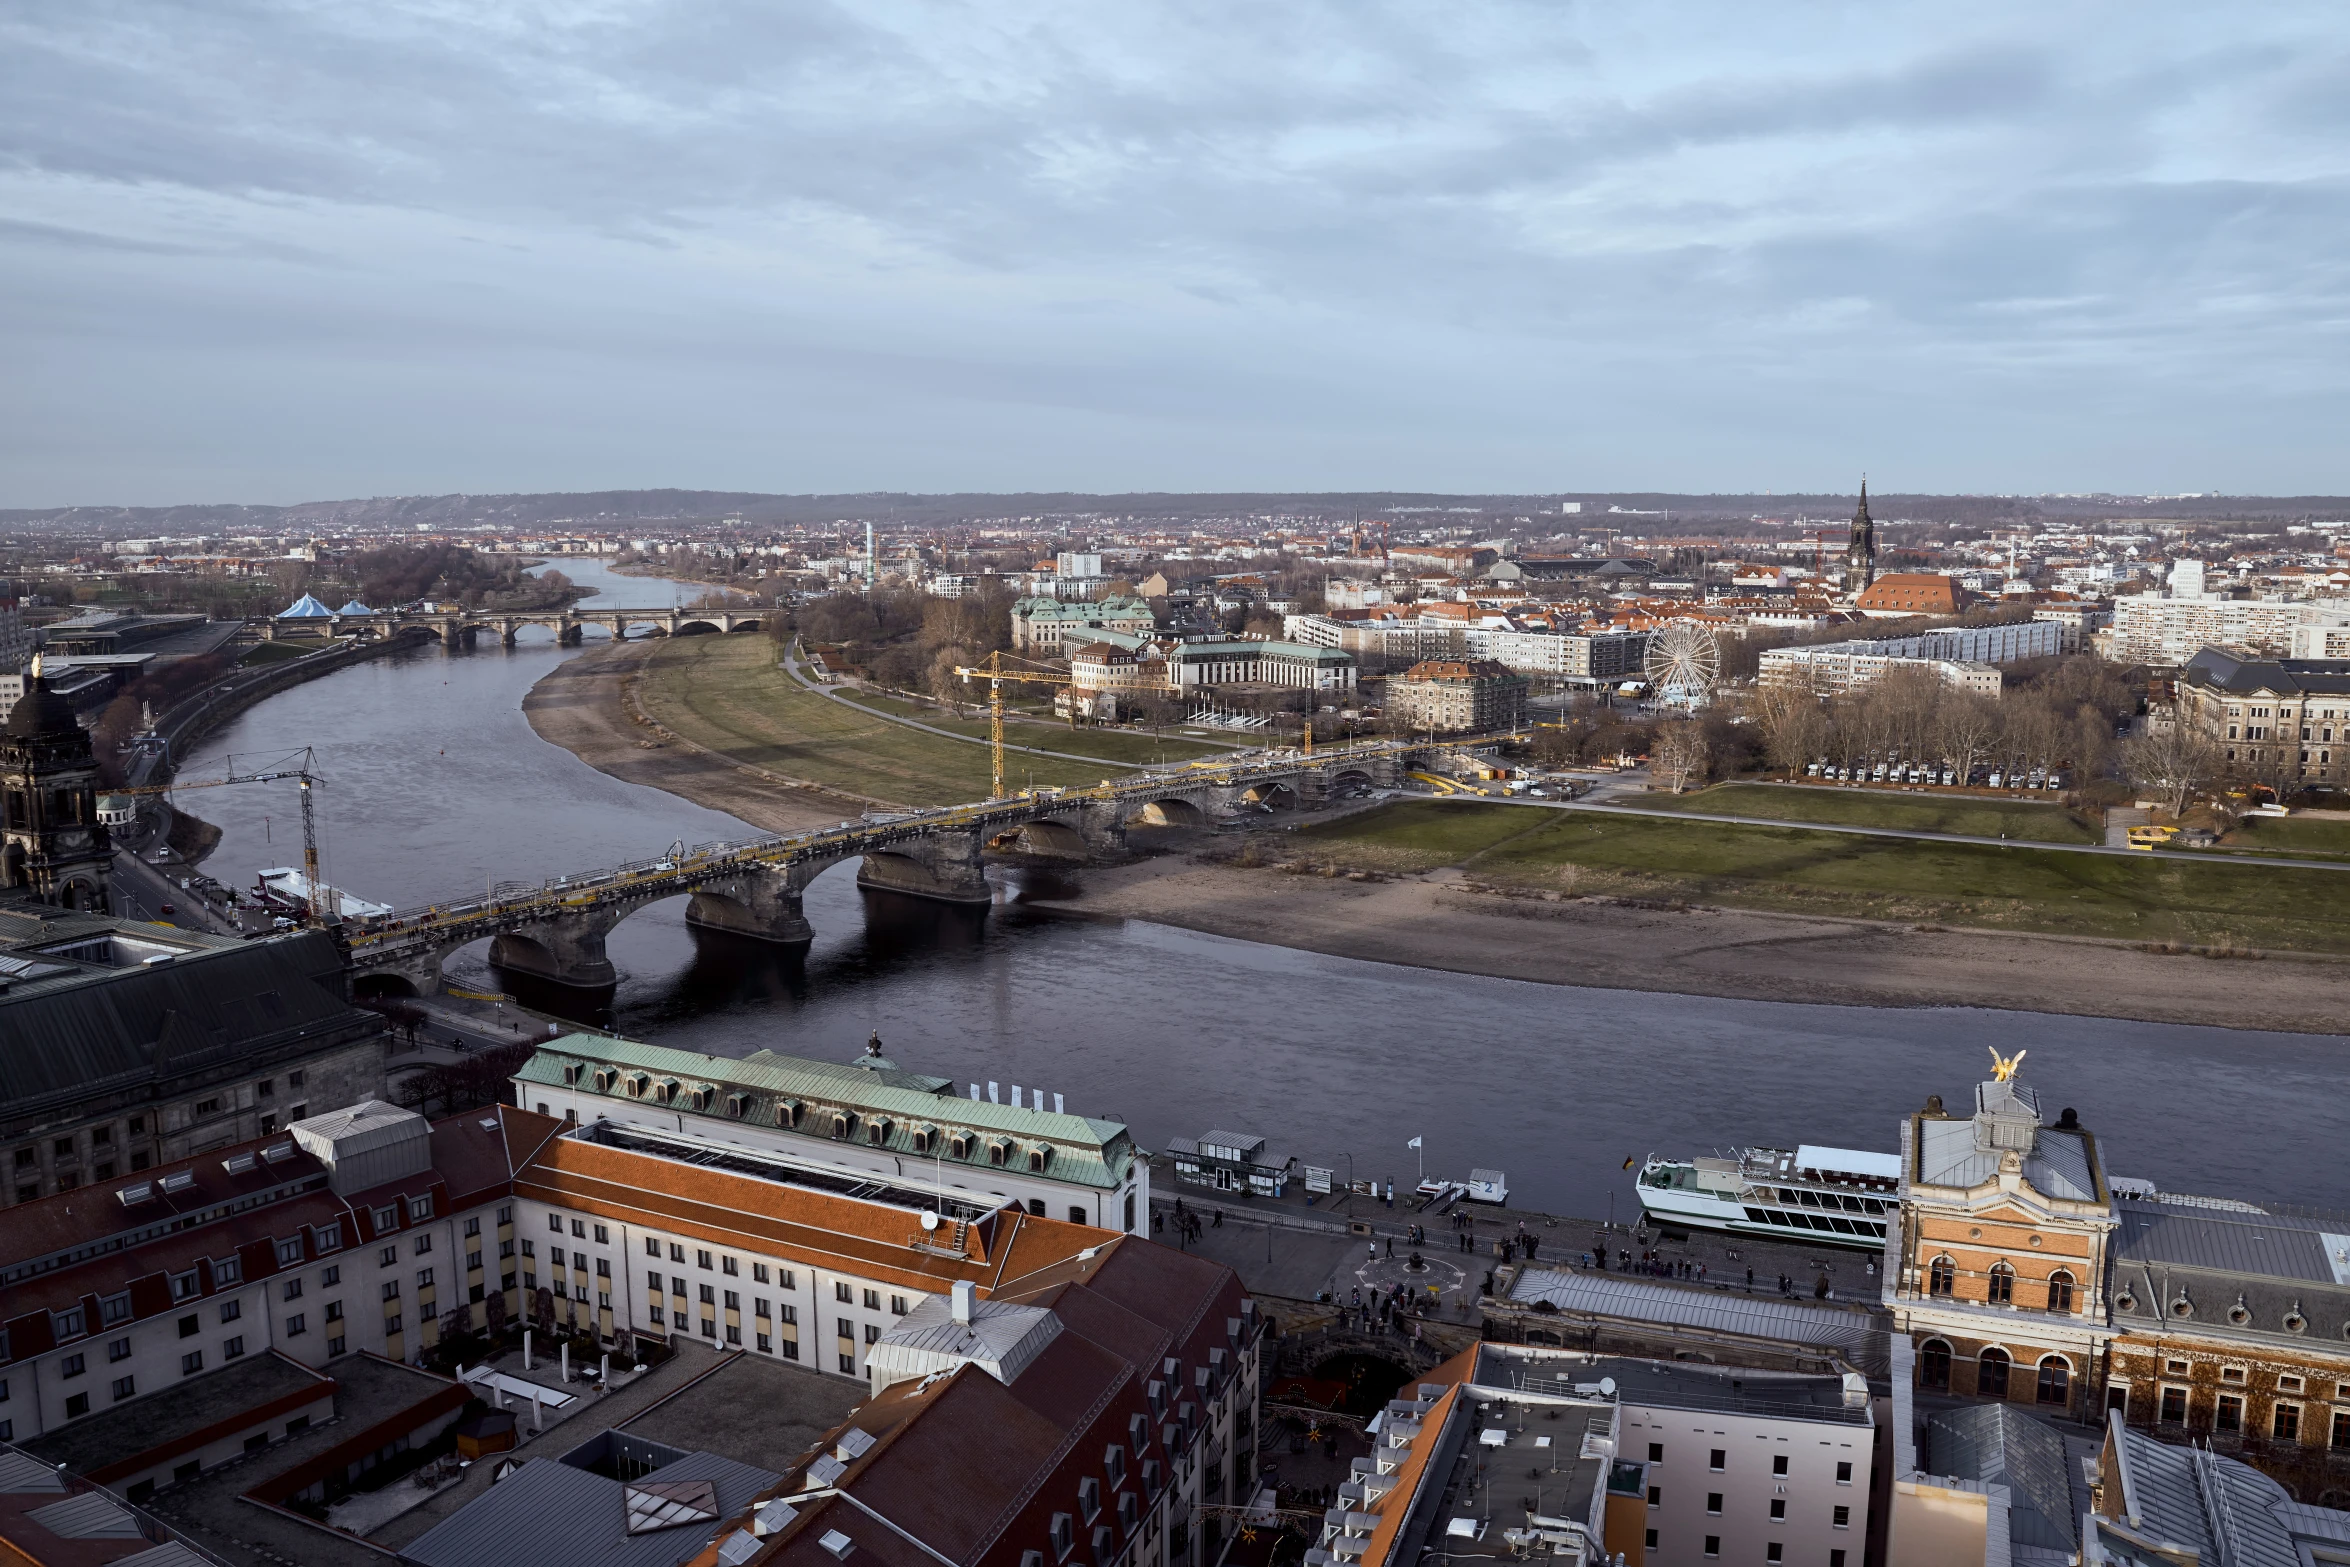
1992,1368
2227,1414
1773,1550
1718,1461
1840,1517
1998,1284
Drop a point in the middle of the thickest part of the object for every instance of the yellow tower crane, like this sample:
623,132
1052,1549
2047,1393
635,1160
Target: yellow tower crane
996,675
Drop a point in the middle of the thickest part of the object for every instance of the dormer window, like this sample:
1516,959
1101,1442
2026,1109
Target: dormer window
1039,1156
961,1144
843,1123
605,1078
640,1084
571,1071
1064,1535
925,1139
1089,1498
877,1132
1114,1465
738,1105
999,1150
789,1112
667,1093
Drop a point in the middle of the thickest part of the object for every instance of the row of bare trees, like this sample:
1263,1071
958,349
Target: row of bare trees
2058,715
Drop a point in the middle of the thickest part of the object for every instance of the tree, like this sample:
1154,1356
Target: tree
1679,753
2171,763
1794,725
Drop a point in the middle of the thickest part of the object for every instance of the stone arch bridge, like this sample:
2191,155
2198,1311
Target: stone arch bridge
556,931
461,628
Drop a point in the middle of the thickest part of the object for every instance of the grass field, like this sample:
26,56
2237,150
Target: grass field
1798,871
1111,745
2290,837
1950,813
276,652
726,693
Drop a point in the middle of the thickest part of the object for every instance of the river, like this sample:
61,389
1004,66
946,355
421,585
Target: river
437,785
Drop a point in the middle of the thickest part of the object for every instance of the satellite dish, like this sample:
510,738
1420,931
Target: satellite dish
1607,1387
929,1220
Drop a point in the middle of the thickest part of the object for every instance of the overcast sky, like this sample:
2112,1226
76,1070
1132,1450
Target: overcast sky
269,251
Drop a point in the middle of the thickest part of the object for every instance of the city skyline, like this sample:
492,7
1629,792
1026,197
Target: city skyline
271,257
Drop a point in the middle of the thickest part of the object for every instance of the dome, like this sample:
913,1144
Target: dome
40,711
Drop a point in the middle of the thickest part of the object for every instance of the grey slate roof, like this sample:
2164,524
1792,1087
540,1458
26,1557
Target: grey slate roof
2002,1444
547,1511
90,1027
2058,1164
1856,1334
2224,671
2279,1278
2182,1496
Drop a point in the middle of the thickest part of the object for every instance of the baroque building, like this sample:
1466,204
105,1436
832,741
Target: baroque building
52,845
2005,1227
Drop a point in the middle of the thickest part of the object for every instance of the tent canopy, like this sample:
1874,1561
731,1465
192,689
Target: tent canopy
305,608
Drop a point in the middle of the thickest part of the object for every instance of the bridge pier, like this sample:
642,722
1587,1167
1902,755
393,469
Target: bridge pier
569,634
506,630
943,865
567,951
761,904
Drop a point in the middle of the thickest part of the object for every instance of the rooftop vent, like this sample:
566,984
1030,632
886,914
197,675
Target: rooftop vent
136,1193
178,1181
279,1153
837,1543
772,1518
238,1163
853,1444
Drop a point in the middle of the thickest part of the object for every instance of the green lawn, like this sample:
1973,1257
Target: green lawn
726,693
1938,812
277,652
1795,870
2289,837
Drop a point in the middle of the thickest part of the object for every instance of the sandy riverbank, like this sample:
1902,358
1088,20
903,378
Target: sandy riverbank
582,706
1432,921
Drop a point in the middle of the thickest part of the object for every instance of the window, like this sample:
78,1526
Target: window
846,1328
758,1273
2001,1285
295,1326
701,1259
788,1314
2056,1380
1779,1464
652,1247
579,1229
1713,1501
1652,1539
2174,1406
709,1296
2285,1426
1991,1374
389,1257
676,1252
1713,1545
555,1222
603,1267
230,1310
1943,1278
734,1302
848,1364
334,1311
71,1366
191,1362
1656,1496
873,1300
1775,1551
1778,1509
424,1243
2287,1384
1835,1559
387,1218
191,1325
391,1289
2341,1424
203,1107
897,1305
233,1348
555,1256
842,1293
120,1349
786,1279
1843,1518
2060,1291
2230,1416
184,1285
289,1253
1718,1461
1844,1472
124,1387
228,1270
77,1404
728,1267
473,1226
420,1207
1076,1214
603,1235
872,1332
1656,1452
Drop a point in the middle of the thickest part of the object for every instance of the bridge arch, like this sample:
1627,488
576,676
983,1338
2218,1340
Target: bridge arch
1046,836
1172,811
696,628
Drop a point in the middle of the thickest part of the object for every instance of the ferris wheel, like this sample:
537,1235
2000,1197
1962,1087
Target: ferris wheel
1683,663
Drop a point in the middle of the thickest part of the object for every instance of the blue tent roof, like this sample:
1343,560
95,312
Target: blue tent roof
305,608
354,608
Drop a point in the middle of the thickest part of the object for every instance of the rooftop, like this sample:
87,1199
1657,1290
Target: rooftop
1854,1334
1532,1371
184,1409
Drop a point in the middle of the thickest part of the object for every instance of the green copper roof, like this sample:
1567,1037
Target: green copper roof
1086,1151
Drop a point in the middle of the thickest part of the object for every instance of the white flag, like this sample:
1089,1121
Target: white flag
1414,1143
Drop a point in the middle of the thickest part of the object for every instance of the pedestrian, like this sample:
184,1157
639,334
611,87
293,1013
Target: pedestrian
1219,1218
1749,1281
1391,1245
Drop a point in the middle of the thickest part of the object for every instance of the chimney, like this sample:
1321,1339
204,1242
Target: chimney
959,1301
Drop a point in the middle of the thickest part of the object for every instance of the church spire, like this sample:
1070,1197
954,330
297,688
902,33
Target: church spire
1860,552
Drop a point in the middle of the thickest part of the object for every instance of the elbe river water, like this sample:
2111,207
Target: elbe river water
436,785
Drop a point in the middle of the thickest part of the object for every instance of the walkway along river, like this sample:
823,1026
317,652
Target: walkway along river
437,785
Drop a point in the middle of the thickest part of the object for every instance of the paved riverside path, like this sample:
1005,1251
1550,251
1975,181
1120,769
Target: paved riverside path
1914,834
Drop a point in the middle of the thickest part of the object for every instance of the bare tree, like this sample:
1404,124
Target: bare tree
1794,725
1969,724
2171,763
1679,753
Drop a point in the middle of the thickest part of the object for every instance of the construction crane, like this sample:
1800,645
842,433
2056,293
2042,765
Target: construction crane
996,675
299,767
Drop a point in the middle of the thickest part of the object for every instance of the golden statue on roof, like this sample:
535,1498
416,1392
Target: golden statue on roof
2003,1068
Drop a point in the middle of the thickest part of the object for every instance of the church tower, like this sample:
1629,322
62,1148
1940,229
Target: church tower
51,843
1860,553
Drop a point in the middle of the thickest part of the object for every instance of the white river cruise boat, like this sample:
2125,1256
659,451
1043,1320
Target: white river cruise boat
1827,1196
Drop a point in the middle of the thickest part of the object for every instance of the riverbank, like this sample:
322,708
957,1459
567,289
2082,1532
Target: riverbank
587,706
1435,920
